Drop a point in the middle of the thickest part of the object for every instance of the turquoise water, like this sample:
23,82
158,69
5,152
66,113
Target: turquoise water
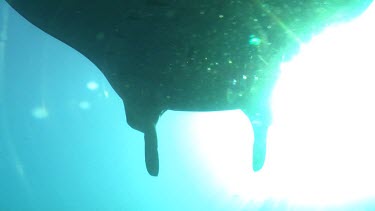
65,144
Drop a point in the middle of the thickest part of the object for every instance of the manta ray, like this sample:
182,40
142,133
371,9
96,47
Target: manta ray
188,55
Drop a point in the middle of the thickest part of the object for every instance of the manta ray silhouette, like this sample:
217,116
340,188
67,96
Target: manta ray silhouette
188,55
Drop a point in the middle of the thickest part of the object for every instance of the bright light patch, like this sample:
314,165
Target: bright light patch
323,118
84,105
106,94
92,85
320,146
40,112
222,149
224,160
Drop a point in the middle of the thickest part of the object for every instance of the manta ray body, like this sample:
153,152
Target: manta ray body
188,55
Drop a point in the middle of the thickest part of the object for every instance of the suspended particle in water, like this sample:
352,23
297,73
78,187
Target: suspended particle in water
254,40
92,85
40,112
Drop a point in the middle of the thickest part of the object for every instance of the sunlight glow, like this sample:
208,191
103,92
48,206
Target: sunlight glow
320,146
322,106
220,145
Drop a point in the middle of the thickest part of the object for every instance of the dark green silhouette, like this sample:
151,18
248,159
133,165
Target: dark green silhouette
188,55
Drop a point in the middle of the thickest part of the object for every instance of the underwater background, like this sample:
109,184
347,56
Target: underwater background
65,143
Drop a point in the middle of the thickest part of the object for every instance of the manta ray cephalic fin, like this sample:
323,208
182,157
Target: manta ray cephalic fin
151,152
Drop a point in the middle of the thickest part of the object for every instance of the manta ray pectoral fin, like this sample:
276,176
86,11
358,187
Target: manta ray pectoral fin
151,152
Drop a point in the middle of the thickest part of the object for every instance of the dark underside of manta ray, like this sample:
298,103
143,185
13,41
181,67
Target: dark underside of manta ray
188,55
